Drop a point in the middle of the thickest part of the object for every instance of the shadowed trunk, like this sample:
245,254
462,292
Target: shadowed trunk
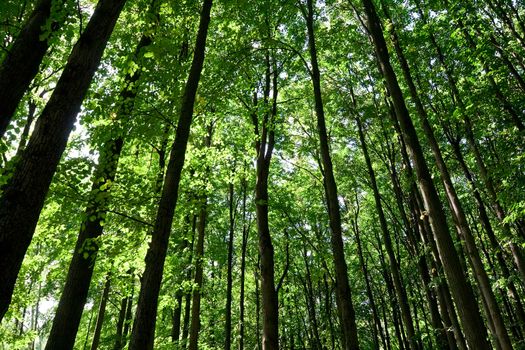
21,63
472,322
343,292
229,278
394,266
143,333
24,194
101,313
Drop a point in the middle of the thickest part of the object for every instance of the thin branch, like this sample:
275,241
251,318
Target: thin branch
131,218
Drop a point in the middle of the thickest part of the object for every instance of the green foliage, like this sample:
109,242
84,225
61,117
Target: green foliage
459,46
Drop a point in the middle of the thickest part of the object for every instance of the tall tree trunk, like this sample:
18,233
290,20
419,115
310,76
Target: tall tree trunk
101,313
120,323
199,258
142,336
24,194
311,304
229,278
371,300
129,314
74,295
187,298
258,304
493,309
264,147
472,322
196,302
394,265
245,231
21,63
485,221
177,312
343,292
425,232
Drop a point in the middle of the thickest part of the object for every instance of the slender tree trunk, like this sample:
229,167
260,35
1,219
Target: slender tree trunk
27,126
101,313
245,231
196,302
23,196
21,63
485,221
472,322
120,323
516,250
394,266
142,336
343,292
264,147
177,311
258,304
377,322
73,298
493,309
448,313
129,314
187,298
311,304
229,278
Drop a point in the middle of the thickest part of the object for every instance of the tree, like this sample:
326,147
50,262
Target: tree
142,336
23,196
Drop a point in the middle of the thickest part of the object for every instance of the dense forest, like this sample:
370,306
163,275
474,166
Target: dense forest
262,174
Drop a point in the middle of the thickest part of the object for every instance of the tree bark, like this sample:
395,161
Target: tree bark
24,194
120,323
142,336
472,322
245,231
21,63
73,298
456,208
101,313
196,302
394,265
270,307
229,278
74,295
343,292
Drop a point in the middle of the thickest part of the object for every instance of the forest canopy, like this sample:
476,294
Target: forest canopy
293,174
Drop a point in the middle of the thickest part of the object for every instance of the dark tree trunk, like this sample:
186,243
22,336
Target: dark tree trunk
377,322
24,195
129,313
101,313
425,232
142,336
245,231
472,322
258,304
311,304
21,63
187,298
394,265
229,278
501,334
343,292
177,312
264,147
120,323
73,298
74,295
196,302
